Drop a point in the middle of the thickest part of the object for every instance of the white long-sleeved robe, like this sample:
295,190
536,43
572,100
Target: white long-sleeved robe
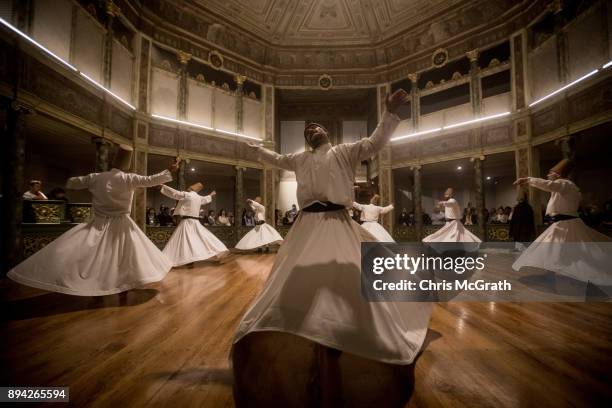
370,214
453,230
262,235
568,247
191,241
314,288
107,254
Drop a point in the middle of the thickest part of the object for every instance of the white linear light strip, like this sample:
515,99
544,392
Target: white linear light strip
182,122
609,63
60,60
108,91
36,43
475,120
424,132
564,87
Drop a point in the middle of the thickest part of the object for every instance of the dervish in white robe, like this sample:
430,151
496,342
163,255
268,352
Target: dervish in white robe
191,241
107,254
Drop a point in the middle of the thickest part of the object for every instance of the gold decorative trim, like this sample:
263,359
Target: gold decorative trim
472,55
112,9
183,57
325,82
215,59
439,58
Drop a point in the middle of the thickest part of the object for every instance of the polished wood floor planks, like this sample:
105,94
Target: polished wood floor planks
168,344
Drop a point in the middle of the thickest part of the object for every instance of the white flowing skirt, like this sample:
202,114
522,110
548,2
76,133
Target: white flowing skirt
314,291
378,231
454,231
100,257
260,236
192,242
573,249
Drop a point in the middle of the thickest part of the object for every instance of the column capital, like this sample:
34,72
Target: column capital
112,9
183,57
477,158
414,77
472,55
416,167
239,79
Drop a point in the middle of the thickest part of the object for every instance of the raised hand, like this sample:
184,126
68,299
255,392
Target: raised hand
395,100
213,193
521,181
175,165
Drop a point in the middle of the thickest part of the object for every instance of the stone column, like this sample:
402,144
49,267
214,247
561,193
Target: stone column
480,195
269,114
268,193
519,88
568,147
180,176
13,160
103,147
139,205
475,90
183,58
239,102
416,199
415,106
562,56
143,76
22,14
112,10
385,186
240,200
534,194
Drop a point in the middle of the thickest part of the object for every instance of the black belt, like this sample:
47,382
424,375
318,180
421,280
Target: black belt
451,219
317,207
259,222
192,218
561,217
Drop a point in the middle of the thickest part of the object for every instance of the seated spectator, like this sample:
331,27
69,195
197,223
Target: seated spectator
437,218
501,217
249,219
470,217
151,217
164,219
35,193
403,218
58,193
426,218
210,220
222,218
230,218
278,217
291,214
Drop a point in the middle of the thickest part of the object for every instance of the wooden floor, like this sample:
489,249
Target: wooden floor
168,345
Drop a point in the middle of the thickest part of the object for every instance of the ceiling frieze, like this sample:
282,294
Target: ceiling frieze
195,27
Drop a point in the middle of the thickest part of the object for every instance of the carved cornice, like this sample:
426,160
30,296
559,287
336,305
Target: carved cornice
471,26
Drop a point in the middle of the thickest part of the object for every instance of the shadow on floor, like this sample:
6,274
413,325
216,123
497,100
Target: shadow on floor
50,304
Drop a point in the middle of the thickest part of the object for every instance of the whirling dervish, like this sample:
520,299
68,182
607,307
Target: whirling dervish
263,235
453,230
191,241
568,246
314,288
107,254
370,214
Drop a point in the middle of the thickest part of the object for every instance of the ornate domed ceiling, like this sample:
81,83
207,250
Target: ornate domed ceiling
326,22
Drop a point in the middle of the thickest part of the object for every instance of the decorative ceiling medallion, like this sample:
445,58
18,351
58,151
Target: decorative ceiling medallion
325,82
215,59
439,58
